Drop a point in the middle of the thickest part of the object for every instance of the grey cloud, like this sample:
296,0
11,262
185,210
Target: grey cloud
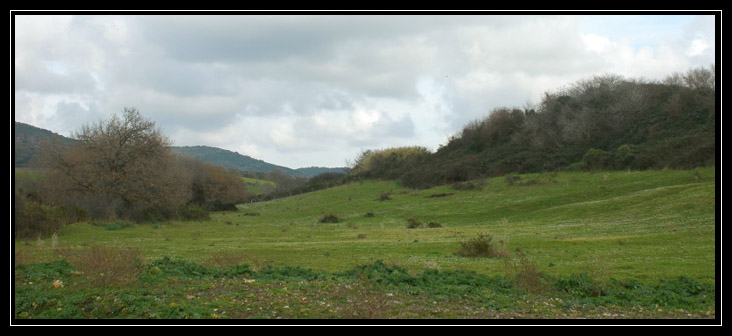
41,80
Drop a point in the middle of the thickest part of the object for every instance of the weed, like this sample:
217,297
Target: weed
580,285
105,265
525,274
413,223
363,300
433,225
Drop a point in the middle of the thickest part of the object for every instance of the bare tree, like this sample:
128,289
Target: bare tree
118,166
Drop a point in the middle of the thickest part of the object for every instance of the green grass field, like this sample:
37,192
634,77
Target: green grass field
651,231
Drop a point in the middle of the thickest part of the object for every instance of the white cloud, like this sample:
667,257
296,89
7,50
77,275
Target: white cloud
596,43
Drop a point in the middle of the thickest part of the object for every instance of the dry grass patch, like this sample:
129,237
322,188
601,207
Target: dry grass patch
105,266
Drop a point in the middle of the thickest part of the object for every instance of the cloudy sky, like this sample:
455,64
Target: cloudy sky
311,90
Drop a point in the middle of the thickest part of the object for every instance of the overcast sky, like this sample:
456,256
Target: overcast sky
303,91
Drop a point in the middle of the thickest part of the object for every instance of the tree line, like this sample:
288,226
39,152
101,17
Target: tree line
605,122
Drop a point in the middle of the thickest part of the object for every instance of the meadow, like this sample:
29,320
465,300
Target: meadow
605,244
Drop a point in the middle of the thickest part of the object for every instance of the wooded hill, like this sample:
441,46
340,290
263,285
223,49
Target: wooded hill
240,162
607,122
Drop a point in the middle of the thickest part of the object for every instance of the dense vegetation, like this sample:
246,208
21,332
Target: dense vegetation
607,122
120,168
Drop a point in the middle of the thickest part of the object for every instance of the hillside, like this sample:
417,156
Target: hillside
234,160
28,138
606,122
27,142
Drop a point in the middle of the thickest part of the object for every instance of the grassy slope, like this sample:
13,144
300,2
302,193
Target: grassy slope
624,225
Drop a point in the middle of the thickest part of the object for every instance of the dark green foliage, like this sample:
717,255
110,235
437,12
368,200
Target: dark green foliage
579,285
330,218
596,159
288,273
45,271
194,212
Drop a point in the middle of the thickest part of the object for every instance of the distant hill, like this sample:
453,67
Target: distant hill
234,160
28,142
28,139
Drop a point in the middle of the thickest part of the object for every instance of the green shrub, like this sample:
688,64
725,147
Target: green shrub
481,247
194,212
596,159
413,223
33,219
329,219
581,285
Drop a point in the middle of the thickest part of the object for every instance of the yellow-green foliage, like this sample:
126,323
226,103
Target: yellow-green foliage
384,162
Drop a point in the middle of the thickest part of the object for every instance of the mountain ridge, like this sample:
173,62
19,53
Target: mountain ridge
27,139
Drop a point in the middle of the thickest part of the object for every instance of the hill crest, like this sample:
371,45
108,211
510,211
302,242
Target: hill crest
27,139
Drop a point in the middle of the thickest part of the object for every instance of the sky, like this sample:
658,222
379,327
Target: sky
317,90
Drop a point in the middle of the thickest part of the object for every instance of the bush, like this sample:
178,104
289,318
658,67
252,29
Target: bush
413,223
194,212
329,219
32,218
580,285
481,247
596,159
525,274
